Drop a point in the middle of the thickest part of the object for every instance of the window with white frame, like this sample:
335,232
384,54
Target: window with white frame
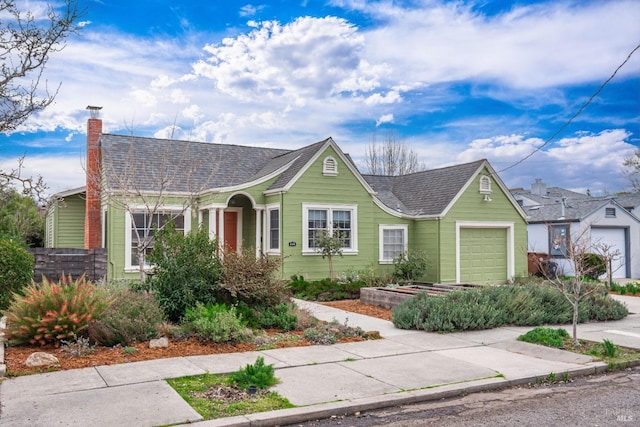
337,220
273,225
143,225
392,242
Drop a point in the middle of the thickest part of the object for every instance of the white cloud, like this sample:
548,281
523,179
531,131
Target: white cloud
385,118
389,98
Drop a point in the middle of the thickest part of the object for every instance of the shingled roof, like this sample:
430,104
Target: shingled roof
423,193
184,166
187,167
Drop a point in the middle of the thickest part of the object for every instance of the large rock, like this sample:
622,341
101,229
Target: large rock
41,358
162,342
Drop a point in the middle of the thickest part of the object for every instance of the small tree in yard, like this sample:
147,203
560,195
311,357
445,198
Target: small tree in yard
579,254
329,245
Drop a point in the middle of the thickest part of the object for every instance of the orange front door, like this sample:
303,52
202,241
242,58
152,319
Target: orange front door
231,231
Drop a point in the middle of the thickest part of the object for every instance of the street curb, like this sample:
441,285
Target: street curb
327,410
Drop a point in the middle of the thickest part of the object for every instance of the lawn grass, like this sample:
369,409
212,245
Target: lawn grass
199,392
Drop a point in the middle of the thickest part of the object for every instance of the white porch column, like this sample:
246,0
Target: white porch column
212,223
259,247
221,228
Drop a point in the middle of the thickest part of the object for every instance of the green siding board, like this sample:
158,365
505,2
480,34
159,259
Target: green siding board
69,222
471,207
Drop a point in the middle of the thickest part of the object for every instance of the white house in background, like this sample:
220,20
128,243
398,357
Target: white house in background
556,215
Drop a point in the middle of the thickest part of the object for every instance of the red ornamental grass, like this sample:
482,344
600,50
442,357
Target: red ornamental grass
50,312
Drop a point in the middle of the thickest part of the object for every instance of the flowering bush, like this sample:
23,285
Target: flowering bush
51,312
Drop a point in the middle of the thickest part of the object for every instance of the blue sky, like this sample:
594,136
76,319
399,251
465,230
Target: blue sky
456,81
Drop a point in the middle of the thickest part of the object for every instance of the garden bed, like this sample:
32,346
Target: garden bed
389,297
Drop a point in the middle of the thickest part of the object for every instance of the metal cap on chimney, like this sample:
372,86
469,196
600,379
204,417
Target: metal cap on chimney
94,111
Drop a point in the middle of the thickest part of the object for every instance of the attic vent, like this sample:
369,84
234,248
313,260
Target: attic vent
485,185
330,166
610,212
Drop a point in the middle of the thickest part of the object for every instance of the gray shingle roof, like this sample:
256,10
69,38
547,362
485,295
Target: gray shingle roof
575,209
423,193
183,166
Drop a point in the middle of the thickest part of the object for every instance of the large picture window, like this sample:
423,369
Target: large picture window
339,220
559,240
142,226
392,242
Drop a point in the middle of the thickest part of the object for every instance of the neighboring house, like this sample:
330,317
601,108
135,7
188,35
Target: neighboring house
556,215
277,202
64,220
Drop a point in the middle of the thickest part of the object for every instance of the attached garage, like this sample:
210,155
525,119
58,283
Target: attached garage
484,254
617,239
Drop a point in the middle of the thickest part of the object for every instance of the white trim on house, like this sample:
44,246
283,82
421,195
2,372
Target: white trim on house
381,229
509,226
186,212
306,250
267,229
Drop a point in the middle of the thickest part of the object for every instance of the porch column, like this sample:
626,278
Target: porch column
212,223
221,228
259,241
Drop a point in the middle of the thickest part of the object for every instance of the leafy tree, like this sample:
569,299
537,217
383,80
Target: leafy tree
330,245
20,218
408,266
391,158
16,270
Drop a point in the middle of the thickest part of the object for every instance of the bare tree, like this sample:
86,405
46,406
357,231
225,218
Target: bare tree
26,42
172,173
575,288
391,157
632,170
33,187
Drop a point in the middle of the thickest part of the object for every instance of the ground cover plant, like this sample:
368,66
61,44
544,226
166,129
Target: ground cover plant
325,289
616,356
244,391
489,307
632,288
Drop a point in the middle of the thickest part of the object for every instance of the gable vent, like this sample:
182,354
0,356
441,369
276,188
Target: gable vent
485,185
610,212
329,166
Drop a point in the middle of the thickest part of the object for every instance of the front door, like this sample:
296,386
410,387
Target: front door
231,230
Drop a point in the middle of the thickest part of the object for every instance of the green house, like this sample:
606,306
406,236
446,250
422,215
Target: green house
278,202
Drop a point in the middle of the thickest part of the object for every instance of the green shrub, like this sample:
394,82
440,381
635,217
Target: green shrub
52,312
609,349
187,270
250,279
526,305
409,266
325,289
258,374
216,323
133,317
594,265
16,270
329,333
278,317
545,336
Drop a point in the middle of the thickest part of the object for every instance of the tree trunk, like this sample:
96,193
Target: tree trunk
575,323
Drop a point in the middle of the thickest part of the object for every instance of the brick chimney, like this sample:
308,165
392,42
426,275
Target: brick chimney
93,214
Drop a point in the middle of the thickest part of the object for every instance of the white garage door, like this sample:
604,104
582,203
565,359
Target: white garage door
615,237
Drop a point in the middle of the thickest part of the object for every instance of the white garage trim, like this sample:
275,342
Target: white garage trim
618,239
509,226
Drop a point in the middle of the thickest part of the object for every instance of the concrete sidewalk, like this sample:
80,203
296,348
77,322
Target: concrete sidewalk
405,367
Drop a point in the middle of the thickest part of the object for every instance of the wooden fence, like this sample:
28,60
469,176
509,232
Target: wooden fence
55,262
